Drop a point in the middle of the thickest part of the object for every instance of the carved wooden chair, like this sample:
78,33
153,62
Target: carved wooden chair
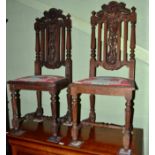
53,50
111,27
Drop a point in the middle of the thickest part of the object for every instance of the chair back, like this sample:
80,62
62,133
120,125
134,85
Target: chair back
53,42
112,27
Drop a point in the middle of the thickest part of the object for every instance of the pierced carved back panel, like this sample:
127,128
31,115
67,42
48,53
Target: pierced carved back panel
112,27
52,33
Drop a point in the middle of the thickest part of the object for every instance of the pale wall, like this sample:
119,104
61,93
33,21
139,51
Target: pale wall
20,58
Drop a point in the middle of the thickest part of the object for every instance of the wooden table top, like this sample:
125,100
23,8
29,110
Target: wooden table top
95,140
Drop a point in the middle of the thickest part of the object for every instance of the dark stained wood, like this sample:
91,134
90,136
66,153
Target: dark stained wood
125,40
63,45
119,42
105,41
99,42
96,140
53,50
111,17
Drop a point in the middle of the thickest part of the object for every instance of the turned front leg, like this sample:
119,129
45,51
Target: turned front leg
69,104
39,111
15,100
127,137
54,109
92,114
75,117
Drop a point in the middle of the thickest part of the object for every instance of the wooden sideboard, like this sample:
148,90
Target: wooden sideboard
96,141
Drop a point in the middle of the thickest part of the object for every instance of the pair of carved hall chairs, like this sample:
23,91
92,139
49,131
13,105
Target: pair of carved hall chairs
112,47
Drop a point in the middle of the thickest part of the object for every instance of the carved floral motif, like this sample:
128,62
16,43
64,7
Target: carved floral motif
112,16
112,41
51,48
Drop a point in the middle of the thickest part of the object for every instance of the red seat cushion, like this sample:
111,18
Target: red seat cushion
40,78
107,81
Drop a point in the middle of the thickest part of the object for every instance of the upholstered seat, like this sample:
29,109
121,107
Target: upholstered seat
107,81
46,80
42,82
40,78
